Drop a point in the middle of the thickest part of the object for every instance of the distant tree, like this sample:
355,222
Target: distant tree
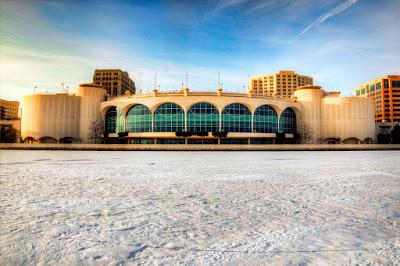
8,134
395,134
306,132
95,131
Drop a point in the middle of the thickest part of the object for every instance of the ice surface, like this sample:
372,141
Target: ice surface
293,208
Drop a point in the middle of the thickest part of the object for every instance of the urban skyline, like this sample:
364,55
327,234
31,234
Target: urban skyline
46,43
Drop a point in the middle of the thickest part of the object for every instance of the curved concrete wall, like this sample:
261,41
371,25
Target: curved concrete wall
310,99
91,97
348,117
50,115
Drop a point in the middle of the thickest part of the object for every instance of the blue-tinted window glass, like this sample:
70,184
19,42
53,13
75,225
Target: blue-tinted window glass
138,119
169,117
203,117
236,118
110,121
287,121
265,120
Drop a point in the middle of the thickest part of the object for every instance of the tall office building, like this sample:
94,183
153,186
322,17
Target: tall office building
115,81
385,91
281,84
9,110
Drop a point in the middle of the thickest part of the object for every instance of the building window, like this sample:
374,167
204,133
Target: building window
287,121
378,86
385,83
110,124
372,87
236,118
169,117
202,141
171,141
203,117
396,83
234,141
138,119
265,120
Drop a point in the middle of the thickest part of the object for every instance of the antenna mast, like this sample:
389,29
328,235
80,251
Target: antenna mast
155,80
140,82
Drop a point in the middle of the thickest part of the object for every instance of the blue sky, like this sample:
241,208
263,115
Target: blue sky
341,43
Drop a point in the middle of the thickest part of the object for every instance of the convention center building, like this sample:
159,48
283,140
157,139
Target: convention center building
311,115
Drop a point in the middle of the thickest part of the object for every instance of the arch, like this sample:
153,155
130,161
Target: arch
351,140
47,139
236,117
30,140
67,140
202,117
288,121
110,120
368,141
265,120
169,117
332,141
138,119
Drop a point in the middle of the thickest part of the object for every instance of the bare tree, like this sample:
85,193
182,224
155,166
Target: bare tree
306,132
95,131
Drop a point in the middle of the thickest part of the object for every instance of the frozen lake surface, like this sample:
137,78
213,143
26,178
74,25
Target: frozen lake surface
72,207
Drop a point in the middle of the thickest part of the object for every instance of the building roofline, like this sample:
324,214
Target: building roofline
200,93
90,85
376,80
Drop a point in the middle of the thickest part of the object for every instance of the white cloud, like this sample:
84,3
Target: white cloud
333,12
223,4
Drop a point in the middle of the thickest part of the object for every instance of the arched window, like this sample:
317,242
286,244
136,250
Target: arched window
287,121
203,117
236,118
138,119
169,117
265,120
110,121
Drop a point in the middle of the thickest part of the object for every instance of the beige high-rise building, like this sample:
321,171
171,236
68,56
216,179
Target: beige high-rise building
115,81
281,84
9,110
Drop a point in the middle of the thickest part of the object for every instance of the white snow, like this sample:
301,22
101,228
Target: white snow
71,207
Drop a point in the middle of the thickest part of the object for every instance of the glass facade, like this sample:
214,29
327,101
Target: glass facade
170,141
234,141
261,141
203,117
202,141
138,119
265,120
200,119
142,141
110,121
287,121
169,117
236,118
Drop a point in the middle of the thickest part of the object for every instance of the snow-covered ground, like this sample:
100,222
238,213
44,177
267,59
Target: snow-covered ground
72,207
